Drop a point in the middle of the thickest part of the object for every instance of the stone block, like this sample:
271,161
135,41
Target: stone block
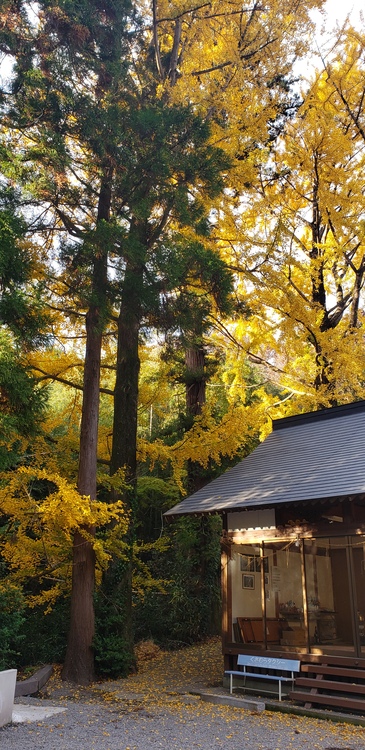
33,684
7,691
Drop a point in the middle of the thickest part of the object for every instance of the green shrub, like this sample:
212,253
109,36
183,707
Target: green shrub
12,618
44,636
113,655
189,608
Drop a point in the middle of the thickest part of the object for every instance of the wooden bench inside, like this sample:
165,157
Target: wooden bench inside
264,668
251,629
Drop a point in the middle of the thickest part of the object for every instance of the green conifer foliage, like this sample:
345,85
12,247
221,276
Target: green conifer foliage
22,327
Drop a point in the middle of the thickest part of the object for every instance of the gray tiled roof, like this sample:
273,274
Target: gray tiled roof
311,456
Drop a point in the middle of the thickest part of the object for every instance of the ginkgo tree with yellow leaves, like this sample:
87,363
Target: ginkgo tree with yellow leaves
299,246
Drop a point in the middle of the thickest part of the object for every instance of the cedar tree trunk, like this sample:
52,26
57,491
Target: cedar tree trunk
126,385
195,380
195,393
207,576
79,660
118,577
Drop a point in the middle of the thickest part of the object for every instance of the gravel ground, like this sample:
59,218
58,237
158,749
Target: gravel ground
175,725
154,709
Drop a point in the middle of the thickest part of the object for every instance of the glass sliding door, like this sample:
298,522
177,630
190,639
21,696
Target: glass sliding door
267,595
329,597
358,570
247,620
284,593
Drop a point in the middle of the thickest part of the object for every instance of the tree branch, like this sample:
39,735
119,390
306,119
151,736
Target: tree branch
156,44
212,69
58,379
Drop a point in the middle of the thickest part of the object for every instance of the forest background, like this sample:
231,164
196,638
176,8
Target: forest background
182,259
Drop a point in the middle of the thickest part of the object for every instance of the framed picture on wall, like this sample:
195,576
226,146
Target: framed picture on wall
247,563
248,581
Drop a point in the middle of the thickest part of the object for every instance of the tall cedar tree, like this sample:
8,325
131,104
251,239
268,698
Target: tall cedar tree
71,65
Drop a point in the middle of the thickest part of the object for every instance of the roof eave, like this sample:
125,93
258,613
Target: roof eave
252,504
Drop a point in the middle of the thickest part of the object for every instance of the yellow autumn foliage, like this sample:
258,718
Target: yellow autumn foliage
297,243
42,511
210,439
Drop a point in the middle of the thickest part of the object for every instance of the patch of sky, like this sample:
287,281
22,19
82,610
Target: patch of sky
328,24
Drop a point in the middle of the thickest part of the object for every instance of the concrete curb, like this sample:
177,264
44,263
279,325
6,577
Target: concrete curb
231,700
218,697
317,713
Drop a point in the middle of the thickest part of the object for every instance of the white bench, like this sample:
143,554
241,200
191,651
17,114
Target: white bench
271,666
7,691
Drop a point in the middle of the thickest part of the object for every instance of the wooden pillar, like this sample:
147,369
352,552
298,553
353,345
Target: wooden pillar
304,594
